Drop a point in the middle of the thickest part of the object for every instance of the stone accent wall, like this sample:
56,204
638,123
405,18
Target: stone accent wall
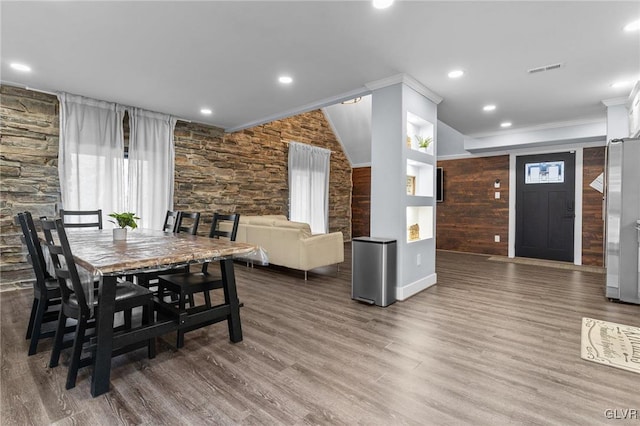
263,184
244,171
29,125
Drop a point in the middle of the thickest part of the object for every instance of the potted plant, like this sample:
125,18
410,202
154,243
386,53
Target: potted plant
424,142
123,220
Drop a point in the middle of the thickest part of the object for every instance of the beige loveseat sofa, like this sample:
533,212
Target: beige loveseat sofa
291,244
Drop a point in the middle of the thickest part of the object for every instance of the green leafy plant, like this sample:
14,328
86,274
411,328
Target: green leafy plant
424,142
125,219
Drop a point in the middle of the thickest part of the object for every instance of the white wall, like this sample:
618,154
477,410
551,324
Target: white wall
617,122
351,123
450,141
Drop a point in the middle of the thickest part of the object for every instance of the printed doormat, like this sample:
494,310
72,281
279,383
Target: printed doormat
612,344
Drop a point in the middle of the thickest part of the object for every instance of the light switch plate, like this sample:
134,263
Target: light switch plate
497,195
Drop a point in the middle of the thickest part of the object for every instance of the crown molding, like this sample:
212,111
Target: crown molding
614,101
409,81
362,91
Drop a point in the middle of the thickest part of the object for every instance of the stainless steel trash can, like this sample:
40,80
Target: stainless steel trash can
374,266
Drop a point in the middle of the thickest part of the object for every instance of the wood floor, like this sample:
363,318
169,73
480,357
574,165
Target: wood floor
493,343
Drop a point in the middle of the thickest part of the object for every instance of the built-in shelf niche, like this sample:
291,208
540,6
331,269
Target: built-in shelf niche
419,128
419,179
419,223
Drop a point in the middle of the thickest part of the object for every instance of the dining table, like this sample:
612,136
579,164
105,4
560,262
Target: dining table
145,251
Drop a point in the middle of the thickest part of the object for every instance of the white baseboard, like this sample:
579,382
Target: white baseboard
403,293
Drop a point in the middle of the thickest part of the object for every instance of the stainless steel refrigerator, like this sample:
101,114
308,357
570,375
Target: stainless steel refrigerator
622,198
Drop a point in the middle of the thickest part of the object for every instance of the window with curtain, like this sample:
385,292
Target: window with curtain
151,166
309,186
90,158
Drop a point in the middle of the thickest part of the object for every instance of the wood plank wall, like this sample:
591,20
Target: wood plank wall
592,222
361,202
470,216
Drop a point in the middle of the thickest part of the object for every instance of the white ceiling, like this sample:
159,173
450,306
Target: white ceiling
177,57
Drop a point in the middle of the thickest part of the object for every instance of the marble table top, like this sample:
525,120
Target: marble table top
146,250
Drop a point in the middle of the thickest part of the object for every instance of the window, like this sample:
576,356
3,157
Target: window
544,172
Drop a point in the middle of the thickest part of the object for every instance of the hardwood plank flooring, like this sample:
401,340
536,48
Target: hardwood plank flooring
492,343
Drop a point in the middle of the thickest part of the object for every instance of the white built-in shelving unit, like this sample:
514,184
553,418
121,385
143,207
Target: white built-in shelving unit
403,180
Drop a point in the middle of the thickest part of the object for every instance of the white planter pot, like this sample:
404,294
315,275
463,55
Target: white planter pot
119,234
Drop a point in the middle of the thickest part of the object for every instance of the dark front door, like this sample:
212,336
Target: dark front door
545,206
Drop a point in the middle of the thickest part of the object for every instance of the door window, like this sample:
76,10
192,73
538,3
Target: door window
544,172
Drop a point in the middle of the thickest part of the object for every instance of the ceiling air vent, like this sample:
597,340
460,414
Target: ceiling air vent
544,68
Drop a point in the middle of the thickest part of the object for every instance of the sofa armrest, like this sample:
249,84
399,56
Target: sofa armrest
321,250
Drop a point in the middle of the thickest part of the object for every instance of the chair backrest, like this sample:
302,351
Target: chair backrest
217,218
36,255
192,217
65,272
171,220
81,216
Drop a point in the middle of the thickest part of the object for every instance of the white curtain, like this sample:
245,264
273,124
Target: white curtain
151,166
91,154
309,186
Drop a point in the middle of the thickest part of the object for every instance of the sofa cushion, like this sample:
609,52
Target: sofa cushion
305,229
267,220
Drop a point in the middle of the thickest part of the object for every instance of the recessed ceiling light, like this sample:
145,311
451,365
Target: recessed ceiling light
285,79
621,84
456,74
505,124
20,67
489,108
206,111
382,4
633,26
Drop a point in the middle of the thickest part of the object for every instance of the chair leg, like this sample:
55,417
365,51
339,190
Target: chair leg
76,353
127,319
207,298
180,339
160,292
147,318
37,324
32,318
57,342
181,308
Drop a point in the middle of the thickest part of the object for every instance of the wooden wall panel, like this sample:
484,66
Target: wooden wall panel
592,221
470,216
361,202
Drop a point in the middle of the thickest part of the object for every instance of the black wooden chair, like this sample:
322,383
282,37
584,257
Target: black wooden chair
186,285
46,291
171,220
188,226
75,305
95,216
